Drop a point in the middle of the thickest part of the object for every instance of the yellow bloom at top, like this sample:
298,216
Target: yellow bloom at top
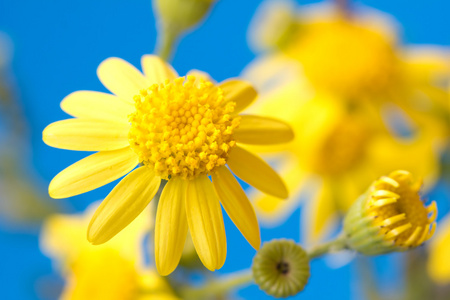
176,128
345,58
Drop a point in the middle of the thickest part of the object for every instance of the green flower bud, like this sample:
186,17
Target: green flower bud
281,268
182,14
390,216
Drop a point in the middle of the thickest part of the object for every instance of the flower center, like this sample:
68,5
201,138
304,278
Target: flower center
344,58
397,208
339,148
102,274
182,127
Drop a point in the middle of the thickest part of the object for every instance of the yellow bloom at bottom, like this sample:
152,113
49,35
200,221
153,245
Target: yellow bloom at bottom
181,129
102,274
439,260
107,272
391,216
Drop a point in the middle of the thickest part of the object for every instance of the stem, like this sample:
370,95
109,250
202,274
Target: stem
217,287
167,38
338,244
343,7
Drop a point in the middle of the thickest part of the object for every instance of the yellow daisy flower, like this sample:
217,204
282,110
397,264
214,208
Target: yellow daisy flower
110,271
334,157
339,77
357,60
178,129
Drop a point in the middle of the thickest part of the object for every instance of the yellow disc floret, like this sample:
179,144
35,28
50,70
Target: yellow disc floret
397,208
182,127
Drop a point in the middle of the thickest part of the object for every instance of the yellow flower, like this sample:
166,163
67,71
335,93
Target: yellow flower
344,82
334,157
111,271
390,216
439,260
178,129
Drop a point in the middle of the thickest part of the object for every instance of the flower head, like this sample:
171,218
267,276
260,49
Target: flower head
345,58
182,129
281,268
391,216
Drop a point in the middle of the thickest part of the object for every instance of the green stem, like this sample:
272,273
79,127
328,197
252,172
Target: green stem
343,7
167,38
218,287
333,246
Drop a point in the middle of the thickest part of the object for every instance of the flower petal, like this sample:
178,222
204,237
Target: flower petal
238,91
156,70
205,221
262,131
96,105
320,215
121,78
256,172
272,210
125,202
237,205
86,135
92,172
171,226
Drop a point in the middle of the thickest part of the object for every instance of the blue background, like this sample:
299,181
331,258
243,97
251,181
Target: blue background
57,48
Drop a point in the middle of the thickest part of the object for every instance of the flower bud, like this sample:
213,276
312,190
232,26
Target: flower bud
281,268
182,14
390,216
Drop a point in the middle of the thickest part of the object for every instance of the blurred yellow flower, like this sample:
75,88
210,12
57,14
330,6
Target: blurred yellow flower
111,271
439,260
345,86
177,129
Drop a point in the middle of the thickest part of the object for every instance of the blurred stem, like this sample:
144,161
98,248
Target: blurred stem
338,244
343,7
365,272
167,38
219,286
418,285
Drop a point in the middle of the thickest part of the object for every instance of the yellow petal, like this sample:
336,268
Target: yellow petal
125,202
92,172
86,135
121,78
171,226
237,205
238,91
200,75
272,210
256,172
156,70
96,105
205,221
320,215
262,131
